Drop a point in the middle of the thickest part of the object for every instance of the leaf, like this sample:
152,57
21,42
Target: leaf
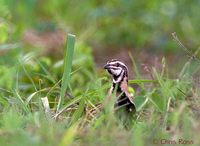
158,101
140,101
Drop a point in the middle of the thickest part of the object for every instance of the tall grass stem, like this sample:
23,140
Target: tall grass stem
69,51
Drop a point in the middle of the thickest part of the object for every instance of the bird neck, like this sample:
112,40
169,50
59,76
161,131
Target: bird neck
121,86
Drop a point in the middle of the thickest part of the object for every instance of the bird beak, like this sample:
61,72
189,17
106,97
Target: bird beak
106,66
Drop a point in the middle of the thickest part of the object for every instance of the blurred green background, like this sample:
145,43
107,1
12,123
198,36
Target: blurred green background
33,34
32,39
103,24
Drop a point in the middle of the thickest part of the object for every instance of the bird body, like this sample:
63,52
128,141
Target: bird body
119,72
124,106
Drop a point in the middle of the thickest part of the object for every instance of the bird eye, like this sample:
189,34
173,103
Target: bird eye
117,65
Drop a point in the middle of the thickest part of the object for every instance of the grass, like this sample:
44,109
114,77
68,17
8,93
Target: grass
67,68
167,109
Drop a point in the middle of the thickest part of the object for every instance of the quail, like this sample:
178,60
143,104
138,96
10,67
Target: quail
119,73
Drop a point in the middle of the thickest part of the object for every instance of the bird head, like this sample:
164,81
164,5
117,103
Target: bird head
117,69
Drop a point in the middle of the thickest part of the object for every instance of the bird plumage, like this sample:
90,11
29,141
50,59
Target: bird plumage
124,105
119,72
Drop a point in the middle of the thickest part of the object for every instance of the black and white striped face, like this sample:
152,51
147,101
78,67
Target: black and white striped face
117,69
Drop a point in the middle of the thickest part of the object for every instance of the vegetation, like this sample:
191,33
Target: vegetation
49,93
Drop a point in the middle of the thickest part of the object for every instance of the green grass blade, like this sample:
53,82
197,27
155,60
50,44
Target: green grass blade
30,97
77,114
20,102
69,136
139,81
67,67
71,102
47,73
136,70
